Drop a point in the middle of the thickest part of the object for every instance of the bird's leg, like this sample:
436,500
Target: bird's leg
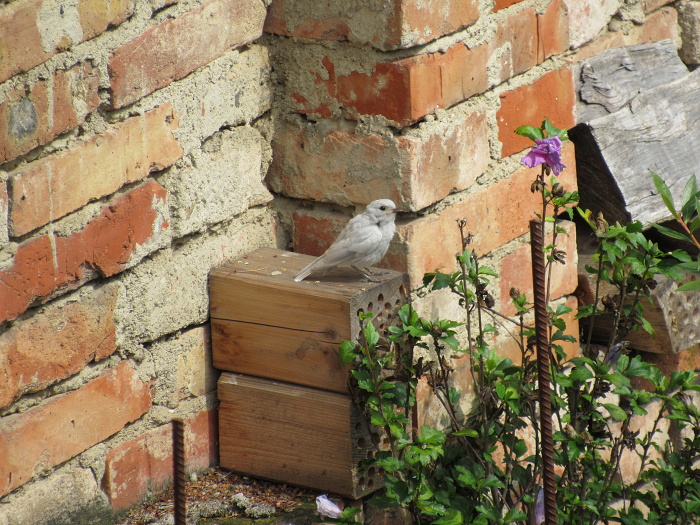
366,274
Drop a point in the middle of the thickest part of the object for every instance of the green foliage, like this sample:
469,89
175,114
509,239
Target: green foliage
688,219
484,466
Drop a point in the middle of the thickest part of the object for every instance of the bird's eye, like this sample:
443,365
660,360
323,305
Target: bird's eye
382,208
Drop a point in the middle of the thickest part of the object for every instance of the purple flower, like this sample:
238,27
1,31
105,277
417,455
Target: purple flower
547,151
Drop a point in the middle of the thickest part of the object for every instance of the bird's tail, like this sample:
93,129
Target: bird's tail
304,273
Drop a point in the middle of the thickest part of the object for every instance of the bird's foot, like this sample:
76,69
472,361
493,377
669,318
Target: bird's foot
368,274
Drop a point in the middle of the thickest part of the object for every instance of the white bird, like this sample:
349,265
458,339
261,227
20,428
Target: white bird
362,243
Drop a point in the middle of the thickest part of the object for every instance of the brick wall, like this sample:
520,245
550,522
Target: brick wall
140,142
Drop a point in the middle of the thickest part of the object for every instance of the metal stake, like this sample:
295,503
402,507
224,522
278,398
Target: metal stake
179,472
541,331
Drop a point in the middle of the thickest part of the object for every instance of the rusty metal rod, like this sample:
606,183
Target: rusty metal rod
179,472
543,379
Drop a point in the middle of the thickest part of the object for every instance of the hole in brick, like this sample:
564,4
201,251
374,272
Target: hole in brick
372,472
362,443
381,472
370,454
387,307
370,307
403,290
370,483
380,298
360,311
358,426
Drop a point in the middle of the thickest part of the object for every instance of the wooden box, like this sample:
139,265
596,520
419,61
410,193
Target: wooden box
265,324
285,413
295,434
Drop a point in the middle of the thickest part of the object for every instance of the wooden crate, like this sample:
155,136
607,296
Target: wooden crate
266,325
295,434
284,411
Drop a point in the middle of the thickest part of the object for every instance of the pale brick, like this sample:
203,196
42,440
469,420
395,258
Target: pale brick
326,163
54,186
589,18
34,441
176,47
184,365
70,495
57,342
495,215
386,25
168,292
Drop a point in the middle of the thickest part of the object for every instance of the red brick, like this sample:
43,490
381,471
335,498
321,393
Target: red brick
314,162
315,230
502,4
25,45
517,40
31,117
516,270
54,186
404,90
496,215
141,465
42,265
34,441
396,24
138,466
177,46
56,343
552,96
552,31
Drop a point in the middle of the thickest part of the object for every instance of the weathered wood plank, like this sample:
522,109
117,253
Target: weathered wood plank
657,130
609,80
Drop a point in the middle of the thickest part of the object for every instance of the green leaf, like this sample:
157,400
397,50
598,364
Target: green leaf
665,193
452,517
690,197
553,131
530,132
346,352
692,286
672,233
616,412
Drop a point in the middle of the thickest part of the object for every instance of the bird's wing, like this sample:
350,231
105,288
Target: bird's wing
358,239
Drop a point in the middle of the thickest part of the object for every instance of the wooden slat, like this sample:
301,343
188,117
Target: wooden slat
291,434
295,356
